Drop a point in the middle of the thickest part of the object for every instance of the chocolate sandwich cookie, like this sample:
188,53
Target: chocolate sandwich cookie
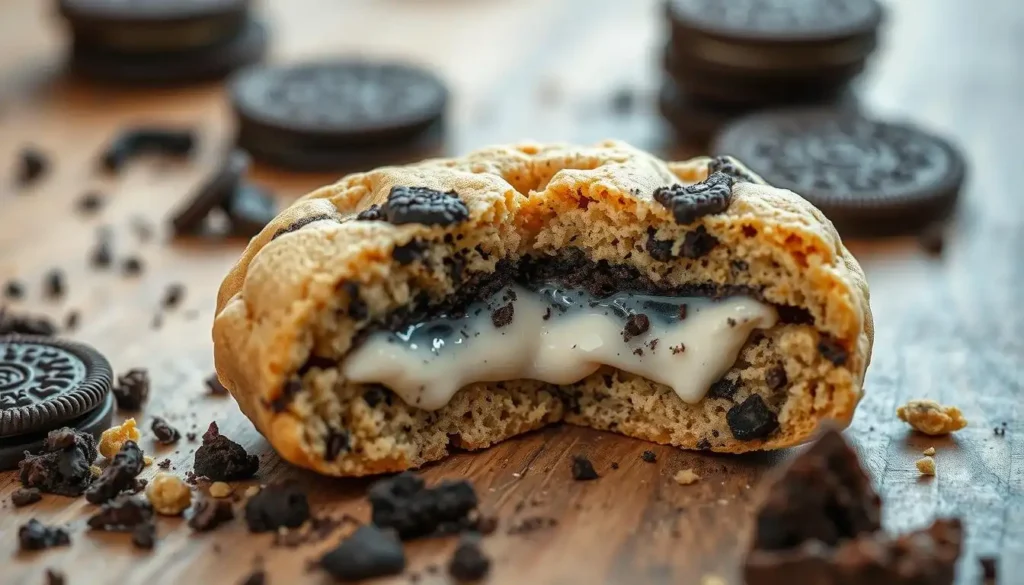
868,177
47,383
338,115
744,36
187,65
435,283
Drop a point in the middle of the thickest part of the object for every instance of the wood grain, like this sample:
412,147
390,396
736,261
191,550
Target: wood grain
948,328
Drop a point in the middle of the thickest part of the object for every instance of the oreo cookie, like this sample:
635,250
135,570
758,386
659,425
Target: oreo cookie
47,383
869,177
336,115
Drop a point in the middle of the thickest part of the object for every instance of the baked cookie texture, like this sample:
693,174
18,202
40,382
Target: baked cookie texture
318,277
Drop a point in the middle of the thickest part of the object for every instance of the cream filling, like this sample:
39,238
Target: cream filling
560,337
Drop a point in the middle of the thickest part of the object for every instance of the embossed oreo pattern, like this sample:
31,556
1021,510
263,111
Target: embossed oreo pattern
780,16
46,382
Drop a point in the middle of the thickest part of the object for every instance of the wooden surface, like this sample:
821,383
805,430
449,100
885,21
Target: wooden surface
948,328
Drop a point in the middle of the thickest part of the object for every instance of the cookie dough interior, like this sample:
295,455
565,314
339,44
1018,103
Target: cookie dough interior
566,293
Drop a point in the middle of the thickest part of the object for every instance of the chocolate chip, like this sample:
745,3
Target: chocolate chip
697,243
90,202
751,419
637,324
173,295
14,290
34,535
691,202
122,514
405,504
164,433
775,378
303,222
337,443
726,165
54,284
214,387
133,142
724,388
63,466
357,308
420,205
32,165
408,253
119,476
55,577
71,320
221,459
25,496
209,513
132,389
649,456
933,239
502,316
132,266
369,552
660,250
583,469
276,506
290,389
102,255
468,562
164,464
832,350
703,444
376,394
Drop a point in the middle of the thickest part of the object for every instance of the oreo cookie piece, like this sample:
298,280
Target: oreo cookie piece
167,67
868,177
324,115
46,382
420,205
368,553
688,203
216,191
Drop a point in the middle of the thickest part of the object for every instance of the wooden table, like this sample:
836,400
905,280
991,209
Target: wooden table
948,328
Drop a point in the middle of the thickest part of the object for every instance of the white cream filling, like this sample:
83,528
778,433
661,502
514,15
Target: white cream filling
560,337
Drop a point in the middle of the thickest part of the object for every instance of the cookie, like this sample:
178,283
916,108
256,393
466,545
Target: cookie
214,61
324,112
743,36
426,288
869,177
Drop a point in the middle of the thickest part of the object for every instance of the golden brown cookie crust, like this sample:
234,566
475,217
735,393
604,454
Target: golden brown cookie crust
525,199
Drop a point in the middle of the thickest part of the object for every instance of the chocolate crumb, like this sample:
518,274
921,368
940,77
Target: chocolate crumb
14,290
32,165
276,506
649,456
752,419
989,572
34,535
583,469
704,444
164,433
131,266
682,311
531,524
54,577
547,314
190,436
691,202
775,378
63,466
122,514
102,255
724,388
933,239
697,243
420,205
636,325
144,536
660,250
221,459
119,476
90,202
132,389
832,350
209,513
678,349
173,295
214,387
502,316
164,464
408,253
615,464
405,504
25,496
71,320
468,562
369,552
731,322
54,284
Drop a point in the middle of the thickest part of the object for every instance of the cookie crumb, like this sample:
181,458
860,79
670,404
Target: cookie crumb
25,496
712,580
119,476
221,459
931,418
252,491
132,389
369,552
219,489
583,469
168,494
163,432
649,456
686,477
147,461
113,438
277,506
929,451
503,315
132,266
405,504
95,470
926,465
636,325
468,562
34,535
208,514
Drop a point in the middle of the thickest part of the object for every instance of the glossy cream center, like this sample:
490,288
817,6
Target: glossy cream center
561,336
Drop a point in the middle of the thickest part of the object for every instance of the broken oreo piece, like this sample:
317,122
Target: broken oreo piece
132,389
209,513
164,433
32,165
649,456
221,459
276,506
119,476
583,469
133,142
215,192
503,315
25,496
727,165
405,504
420,205
122,514
369,552
468,562
34,535
63,467
751,419
697,243
688,203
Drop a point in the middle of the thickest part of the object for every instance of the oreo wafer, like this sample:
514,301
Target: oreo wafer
47,383
868,177
337,115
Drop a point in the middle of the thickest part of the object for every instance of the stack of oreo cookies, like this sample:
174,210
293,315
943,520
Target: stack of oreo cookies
142,42
726,58
46,384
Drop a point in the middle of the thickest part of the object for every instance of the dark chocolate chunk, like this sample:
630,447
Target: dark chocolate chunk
26,324
660,250
832,350
132,266
357,308
420,205
54,284
209,513
468,562
173,295
164,433
144,536
34,535
369,552
775,377
691,202
375,394
25,496
215,192
823,495
410,252
751,419
32,165
63,467
55,577
724,388
122,514
119,476
214,387
132,389
583,469
503,315
405,504
337,443
303,222
90,202
221,459
276,506
649,456
637,324
133,142
697,243
14,290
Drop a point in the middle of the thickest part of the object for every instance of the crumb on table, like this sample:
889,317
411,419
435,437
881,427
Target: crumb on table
686,477
929,451
112,438
168,494
931,418
926,465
